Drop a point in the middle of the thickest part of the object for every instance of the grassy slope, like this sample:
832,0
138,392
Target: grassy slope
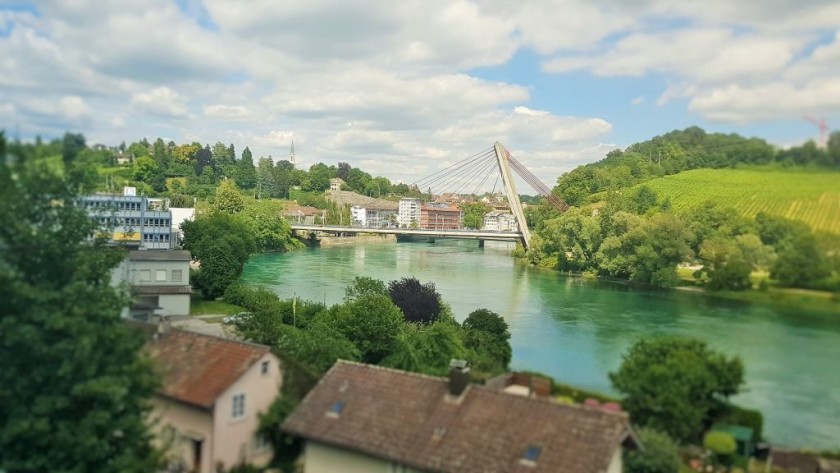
810,196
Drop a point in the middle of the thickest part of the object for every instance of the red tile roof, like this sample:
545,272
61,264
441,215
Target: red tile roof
196,368
405,418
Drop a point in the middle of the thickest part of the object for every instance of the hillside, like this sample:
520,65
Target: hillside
810,196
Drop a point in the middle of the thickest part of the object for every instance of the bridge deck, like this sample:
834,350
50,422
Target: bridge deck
463,234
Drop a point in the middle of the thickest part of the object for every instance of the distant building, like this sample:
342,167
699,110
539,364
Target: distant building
159,281
359,216
500,222
381,217
336,183
212,392
440,217
409,212
131,219
179,216
368,418
295,213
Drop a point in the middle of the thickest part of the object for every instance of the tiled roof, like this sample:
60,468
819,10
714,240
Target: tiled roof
159,255
197,368
406,418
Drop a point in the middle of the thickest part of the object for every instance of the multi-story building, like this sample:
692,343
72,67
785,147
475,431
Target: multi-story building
359,216
373,217
440,217
159,281
409,212
131,219
500,222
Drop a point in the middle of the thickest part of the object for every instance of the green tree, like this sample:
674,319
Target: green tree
228,198
71,146
144,169
246,173
474,214
800,262
370,322
222,243
659,454
76,394
270,229
364,286
487,334
420,303
426,348
674,384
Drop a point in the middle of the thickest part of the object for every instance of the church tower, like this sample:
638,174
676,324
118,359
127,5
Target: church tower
292,154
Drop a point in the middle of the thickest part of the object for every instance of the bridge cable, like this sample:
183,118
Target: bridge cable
478,171
455,165
451,178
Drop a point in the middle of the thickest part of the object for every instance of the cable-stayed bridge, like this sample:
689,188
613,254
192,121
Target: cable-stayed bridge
467,176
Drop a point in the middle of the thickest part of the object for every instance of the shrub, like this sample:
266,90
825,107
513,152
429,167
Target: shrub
658,454
720,443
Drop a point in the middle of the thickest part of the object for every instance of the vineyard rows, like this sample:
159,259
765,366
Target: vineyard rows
812,197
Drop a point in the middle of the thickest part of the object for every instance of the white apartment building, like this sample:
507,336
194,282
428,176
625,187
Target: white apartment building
409,212
499,222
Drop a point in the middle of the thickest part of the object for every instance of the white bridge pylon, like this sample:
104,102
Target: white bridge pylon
503,158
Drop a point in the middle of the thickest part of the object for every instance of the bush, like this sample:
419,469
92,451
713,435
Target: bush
720,443
658,454
752,418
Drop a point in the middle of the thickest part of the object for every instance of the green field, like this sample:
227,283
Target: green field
810,196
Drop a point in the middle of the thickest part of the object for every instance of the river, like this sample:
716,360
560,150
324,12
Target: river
577,330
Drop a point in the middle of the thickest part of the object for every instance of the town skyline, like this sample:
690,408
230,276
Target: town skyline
560,83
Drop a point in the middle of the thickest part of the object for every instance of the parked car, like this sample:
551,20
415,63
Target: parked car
238,317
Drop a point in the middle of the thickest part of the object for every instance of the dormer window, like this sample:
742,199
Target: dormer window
336,409
530,455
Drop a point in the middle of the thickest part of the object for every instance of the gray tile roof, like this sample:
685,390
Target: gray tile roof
407,418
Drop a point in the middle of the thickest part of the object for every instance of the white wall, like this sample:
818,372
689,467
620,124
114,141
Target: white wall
235,437
189,423
174,304
616,464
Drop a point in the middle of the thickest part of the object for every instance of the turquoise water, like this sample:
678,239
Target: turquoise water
577,330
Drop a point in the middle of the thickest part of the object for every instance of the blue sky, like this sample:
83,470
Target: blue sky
405,88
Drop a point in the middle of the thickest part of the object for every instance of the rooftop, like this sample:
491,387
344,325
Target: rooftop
159,255
196,368
409,419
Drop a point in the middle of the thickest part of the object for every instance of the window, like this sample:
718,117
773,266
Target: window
145,275
336,409
530,455
238,406
177,275
264,368
160,275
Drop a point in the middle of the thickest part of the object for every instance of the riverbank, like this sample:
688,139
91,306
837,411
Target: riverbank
330,241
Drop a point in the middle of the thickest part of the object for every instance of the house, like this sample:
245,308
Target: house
131,219
206,412
295,213
363,418
336,183
159,281
435,216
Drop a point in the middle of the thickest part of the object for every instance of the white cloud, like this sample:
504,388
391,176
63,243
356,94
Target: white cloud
161,101
638,100
231,112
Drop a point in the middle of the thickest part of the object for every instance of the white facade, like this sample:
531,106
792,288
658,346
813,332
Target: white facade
133,220
159,282
179,216
409,212
321,458
359,216
500,222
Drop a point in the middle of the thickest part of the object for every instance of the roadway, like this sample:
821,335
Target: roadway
423,232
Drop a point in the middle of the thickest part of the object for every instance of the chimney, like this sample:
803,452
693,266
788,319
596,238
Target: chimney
459,377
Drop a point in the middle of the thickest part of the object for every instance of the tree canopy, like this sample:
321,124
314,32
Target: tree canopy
674,384
75,391
420,303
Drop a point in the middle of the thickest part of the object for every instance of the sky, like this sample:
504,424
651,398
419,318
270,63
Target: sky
404,88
